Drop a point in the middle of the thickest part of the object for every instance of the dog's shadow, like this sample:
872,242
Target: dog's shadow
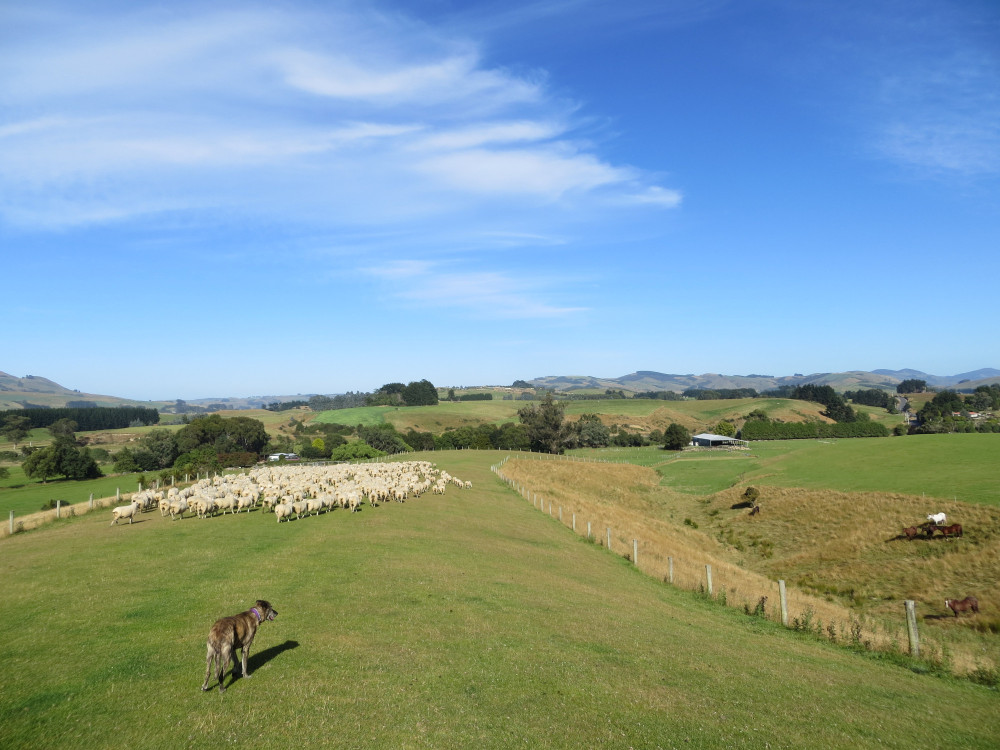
259,659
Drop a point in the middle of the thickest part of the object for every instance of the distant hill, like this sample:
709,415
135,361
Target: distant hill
35,391
646,380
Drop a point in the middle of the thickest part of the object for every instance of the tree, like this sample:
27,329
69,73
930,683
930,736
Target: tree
41,464
676,437
912,385
61,457
63,428
232,435
383,438
125,462
544,423
592,432
725,428
420,393
15,428
161,446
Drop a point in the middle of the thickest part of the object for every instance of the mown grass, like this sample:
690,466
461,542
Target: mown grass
468,620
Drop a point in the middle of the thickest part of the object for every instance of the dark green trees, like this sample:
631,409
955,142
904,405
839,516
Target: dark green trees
544,423
61,458
676,437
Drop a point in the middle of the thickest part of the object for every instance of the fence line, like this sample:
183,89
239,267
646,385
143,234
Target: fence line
685,574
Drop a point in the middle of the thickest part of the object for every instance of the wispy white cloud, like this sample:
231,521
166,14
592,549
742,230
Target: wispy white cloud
275,112
937,94
485,294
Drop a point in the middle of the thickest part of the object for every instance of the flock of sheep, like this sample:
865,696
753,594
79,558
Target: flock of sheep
295,491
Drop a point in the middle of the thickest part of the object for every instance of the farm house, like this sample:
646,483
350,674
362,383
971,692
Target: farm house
708,440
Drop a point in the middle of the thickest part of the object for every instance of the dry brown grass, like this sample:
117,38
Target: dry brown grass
696,416
34,521
837,552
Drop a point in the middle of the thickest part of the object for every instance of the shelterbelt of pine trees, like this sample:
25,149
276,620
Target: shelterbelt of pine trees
94,418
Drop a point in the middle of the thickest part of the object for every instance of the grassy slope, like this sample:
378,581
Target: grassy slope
645,413
962,466
456,621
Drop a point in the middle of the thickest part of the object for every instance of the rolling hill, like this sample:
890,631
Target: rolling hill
35,391
646,380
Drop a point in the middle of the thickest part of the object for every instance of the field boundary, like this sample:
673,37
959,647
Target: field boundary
730,585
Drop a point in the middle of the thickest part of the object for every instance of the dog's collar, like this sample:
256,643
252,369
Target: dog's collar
259,618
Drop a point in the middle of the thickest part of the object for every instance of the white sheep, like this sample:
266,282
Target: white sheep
178,508
282,510
124,511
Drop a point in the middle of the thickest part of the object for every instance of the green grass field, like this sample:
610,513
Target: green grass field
961,466
464,620
23,496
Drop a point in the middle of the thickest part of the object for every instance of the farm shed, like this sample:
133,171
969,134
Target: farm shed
708,440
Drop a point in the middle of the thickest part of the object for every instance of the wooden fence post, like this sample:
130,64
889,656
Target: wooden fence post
58,508
635,552
708,577
609,538
12,522
91,500
670,570
911,626
783,596
560,514
118,494
588,530
574,522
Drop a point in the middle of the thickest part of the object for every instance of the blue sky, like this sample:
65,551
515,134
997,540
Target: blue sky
236,199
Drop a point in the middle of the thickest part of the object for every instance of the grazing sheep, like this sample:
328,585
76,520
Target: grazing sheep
124,511
178,508
281,510
226,502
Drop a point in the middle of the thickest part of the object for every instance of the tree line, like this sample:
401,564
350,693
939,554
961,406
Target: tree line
97,418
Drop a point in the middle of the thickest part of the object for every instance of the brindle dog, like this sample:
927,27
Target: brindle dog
231,633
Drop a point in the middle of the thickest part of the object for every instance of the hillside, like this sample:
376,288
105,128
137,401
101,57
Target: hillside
450,621
647,380
36,391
